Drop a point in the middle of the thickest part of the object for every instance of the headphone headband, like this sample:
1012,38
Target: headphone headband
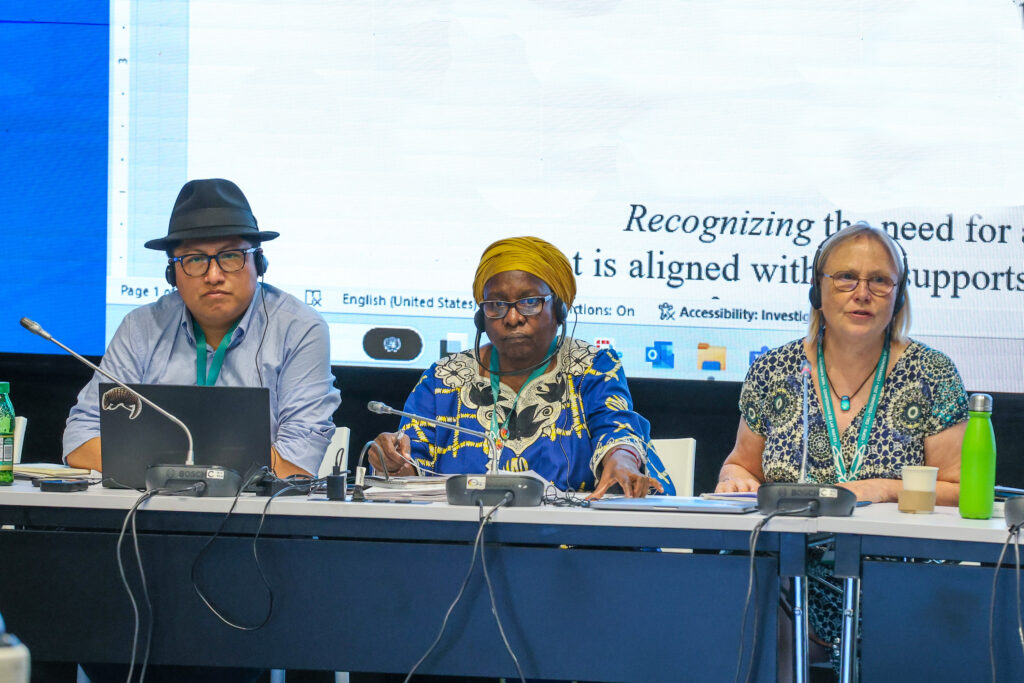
814,295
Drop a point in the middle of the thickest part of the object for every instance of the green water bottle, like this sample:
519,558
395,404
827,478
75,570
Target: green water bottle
978,460
6,435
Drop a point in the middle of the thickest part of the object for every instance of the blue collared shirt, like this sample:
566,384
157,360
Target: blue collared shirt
155,344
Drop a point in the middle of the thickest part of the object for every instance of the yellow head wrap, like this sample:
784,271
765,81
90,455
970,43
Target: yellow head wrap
531,255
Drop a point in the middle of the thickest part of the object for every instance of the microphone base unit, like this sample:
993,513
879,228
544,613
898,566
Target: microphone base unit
1013,511
825,500
491,489
217,481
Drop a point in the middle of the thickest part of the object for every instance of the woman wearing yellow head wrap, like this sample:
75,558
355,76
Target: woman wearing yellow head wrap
554,405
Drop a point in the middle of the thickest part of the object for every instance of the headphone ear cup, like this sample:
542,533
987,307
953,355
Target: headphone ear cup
814,296
261,263
478,320
169,275
561,312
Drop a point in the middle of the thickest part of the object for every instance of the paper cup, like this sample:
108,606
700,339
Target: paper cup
20,425
918,494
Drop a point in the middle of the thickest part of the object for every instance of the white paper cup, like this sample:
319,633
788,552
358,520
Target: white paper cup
20,425
918,494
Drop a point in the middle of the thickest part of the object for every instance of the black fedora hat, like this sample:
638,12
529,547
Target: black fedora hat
210,208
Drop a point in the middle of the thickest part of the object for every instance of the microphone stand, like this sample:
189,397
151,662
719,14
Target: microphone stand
36,329
192,479
820,499
492,447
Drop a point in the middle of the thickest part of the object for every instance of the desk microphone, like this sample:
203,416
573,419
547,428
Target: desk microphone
822,500
492,447
469,489
218,481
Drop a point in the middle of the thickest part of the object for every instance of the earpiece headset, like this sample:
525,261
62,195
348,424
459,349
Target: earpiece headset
561,316
258,259
814,295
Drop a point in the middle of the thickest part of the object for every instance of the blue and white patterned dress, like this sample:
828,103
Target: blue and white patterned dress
563,424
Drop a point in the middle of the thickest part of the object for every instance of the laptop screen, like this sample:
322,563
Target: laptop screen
230,427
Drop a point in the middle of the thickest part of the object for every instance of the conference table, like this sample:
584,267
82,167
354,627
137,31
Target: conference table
923,619
582,594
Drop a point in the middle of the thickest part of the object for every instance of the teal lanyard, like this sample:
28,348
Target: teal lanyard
203,378
500,434
842,473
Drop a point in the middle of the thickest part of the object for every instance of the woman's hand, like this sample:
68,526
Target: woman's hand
875,490
622,466
742,471
735,479
396,450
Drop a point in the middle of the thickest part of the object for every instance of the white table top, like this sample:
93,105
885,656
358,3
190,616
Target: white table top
22,493
874,520
945,523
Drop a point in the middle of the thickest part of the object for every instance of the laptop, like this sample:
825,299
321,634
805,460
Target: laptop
675,504
230,427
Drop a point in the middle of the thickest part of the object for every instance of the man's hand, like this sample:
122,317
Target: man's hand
622,466
396,449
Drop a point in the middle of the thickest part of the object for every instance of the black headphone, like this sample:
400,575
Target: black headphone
814,295
258,259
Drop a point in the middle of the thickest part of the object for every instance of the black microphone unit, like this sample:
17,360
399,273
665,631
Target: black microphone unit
491,489
1013,512
187,478
820,500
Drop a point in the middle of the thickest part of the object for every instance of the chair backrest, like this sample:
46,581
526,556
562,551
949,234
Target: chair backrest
339,440
677,455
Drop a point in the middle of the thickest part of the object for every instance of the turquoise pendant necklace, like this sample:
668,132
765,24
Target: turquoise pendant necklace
844,400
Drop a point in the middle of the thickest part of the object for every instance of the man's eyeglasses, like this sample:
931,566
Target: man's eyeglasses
229,261
845,281
531,305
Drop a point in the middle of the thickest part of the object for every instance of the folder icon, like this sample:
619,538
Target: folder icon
710,357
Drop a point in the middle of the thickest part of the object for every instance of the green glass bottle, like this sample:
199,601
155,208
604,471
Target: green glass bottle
978,460
6,435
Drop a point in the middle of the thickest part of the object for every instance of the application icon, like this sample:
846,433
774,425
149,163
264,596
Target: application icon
660,356
604,342
453,343
754,354
710,357
392,343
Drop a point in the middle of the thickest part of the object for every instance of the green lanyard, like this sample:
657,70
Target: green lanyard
500,434
843,474
203,378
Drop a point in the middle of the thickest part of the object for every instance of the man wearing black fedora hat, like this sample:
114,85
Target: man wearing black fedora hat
222,326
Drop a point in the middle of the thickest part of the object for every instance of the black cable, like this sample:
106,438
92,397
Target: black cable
124,579
1016,555
131,516
754,534
992,606
266,325
259,565
490,590
462,589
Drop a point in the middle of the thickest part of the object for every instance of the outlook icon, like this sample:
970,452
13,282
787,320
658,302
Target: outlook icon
660,355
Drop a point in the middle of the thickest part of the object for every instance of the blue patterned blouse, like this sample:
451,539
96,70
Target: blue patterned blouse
563,424
922,396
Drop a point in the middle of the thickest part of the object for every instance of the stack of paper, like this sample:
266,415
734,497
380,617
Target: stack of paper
427,489
48,470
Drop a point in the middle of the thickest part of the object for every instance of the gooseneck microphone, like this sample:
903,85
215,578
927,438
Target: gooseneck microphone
820,500
492,447
35,328
215,480
492,488
805,378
